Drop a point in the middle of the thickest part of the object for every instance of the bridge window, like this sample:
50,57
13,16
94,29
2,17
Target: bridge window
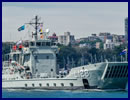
47,57
43,43
32,43
48,43
38,44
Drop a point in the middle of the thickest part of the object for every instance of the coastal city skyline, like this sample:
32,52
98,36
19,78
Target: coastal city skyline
81,19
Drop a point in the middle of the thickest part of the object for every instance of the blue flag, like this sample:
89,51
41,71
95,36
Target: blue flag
123,52
21,28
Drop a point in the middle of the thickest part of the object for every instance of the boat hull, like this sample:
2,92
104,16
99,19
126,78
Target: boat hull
49,84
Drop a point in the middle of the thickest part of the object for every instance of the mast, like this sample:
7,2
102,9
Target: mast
36,24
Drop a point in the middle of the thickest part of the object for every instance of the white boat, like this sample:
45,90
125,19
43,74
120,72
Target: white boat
34,66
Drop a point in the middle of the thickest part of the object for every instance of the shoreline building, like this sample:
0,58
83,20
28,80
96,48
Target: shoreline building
66,39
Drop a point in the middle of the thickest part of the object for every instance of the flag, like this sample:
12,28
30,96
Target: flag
40,30
21,28
123,52
19,42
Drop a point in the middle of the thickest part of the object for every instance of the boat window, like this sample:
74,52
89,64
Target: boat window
16,57
33,85
38,44
26,57
48,43
26,85
62,84
40,85
43,43
47,84
54,44
71,84
6,58
54,84
47,57
32,44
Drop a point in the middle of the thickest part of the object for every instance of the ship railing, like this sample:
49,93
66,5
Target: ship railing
6,64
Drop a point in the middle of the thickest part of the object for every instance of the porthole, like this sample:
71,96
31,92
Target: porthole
40,85
54,84
33,85
71,84
26,85
62,84
47,84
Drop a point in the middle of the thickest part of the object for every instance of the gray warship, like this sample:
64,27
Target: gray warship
34,66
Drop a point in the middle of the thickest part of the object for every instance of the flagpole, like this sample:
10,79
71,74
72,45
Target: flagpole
126,54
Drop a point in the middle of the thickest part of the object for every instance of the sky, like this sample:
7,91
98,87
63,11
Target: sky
81,19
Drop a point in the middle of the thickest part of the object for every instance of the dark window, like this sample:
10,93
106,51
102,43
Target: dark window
26,85
40,85
51,70
48,43
32,43
38,44
71,84
54,84
33,85
62,84
43,43
47,84
47,57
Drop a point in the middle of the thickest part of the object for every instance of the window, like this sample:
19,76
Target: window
43,43
47,84
51,70
38,44
32,44
48,43
47,57
40,85
26,85
71,84
54,84
33,85
62,84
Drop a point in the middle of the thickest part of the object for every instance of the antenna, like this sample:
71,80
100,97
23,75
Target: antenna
91,59
36,24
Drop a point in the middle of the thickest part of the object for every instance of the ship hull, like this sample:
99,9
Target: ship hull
49,84
106,75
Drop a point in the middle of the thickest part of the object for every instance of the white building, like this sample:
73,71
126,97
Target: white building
108,44
66,39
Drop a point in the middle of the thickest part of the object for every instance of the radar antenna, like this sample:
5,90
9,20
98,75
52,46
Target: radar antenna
36,24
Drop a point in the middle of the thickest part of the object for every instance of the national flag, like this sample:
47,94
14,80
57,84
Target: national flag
21,28
123,52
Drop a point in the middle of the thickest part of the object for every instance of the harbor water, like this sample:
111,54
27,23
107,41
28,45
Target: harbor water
64,94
